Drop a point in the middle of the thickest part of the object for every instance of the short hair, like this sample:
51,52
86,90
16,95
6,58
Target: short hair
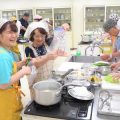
26,14
110,23
12,26
41,30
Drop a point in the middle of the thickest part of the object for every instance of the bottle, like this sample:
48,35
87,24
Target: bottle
78,52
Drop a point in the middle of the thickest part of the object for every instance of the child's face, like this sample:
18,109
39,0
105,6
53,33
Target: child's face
8,38
114,31
39,38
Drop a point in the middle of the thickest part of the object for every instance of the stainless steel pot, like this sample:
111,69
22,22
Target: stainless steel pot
105,70
47,92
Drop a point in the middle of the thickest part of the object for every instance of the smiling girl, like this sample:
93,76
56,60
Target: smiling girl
10,99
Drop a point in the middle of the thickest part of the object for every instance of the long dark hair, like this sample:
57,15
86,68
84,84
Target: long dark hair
12,26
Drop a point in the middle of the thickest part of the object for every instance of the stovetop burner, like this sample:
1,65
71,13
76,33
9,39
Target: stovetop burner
69,108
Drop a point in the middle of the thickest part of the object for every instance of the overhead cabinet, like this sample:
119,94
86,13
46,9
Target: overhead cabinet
62,15
95,16
7,14
45,13
112,9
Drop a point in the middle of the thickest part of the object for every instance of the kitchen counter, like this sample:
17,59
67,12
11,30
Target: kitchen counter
65,66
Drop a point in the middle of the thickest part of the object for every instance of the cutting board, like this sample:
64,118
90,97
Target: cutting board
110,86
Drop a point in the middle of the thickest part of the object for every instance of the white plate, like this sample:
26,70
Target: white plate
81,93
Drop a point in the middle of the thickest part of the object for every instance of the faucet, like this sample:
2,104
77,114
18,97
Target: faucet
93,46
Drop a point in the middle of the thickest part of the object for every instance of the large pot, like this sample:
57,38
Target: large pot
47,92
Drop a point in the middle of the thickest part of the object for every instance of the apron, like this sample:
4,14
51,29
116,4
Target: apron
43,72
10,101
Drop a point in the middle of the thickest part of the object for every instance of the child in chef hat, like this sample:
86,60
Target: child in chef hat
10,99
43,60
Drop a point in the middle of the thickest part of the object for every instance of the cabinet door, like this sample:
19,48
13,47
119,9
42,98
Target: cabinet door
111,10
62,15
94,18
20,14
45,13
8,14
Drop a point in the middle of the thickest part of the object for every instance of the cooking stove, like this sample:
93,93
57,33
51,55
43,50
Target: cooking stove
69,108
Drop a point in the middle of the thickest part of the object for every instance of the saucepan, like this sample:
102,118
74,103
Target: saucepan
49,92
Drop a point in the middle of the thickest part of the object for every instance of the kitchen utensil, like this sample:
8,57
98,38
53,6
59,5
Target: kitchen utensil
111,105
65,74
95,79
61,77
47,92
104,96
49,89
105,70
81,93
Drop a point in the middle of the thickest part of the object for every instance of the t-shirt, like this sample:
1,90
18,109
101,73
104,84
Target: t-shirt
25,24
6,65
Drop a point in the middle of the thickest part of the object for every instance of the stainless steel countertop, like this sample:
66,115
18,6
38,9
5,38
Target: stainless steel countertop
95,116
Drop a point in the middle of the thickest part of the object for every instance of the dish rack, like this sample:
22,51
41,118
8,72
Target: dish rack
108,103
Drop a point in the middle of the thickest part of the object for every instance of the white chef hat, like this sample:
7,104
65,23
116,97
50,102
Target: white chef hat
2,22
33,26
37,17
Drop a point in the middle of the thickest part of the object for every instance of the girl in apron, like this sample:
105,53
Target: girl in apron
10,99
38,50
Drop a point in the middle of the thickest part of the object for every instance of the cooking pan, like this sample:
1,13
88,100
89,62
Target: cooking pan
47,92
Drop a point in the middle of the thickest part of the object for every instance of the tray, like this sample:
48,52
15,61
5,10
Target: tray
111,107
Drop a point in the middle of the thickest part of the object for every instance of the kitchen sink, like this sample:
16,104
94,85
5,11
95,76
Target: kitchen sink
84,59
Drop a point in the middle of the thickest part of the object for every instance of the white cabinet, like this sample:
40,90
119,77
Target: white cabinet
7,14
112,9
62,15
94,18
45,12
